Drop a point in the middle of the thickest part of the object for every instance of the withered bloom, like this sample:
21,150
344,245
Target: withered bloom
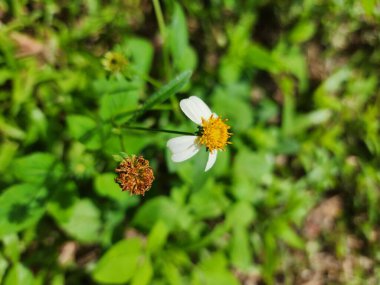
134,175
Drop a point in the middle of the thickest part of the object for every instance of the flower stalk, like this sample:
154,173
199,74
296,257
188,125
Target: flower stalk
158,130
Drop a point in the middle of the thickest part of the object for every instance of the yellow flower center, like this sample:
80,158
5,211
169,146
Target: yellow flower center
114,61
214,133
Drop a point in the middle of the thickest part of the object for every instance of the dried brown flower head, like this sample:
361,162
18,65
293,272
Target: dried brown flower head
134,175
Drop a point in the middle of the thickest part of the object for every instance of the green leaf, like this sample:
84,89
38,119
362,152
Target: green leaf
235,109
11,131
119,263
287,234
79,125
85,130
12,247
5,74
240,251
141,52
184,57
21,206
62,201
302,32
103,86
369,7
7,151
58,279
208,202
164,93
83,221
261,58
240,214
178,33
255,166
144,273
112,105
288,113
292,60
233,63
172,273
213,271
317,117
157,237
19,275
3,267
106,186
161,208
37,168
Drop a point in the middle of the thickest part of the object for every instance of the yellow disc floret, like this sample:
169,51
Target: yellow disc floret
114,61
214,133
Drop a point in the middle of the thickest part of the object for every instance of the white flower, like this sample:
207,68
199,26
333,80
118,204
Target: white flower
213,133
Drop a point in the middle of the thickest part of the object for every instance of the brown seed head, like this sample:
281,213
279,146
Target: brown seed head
134,175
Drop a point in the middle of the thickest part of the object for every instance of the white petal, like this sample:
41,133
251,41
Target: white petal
186,154
211,160
195,109
180,144
202,106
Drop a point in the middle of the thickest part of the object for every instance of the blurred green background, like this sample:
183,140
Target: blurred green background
294,199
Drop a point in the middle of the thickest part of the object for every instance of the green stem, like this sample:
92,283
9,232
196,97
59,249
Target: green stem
163,33
122,144
160,19
158,130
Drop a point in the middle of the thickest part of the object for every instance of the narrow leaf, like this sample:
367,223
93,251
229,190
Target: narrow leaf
164,93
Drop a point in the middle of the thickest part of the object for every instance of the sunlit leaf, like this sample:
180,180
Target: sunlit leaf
19,275
119,263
